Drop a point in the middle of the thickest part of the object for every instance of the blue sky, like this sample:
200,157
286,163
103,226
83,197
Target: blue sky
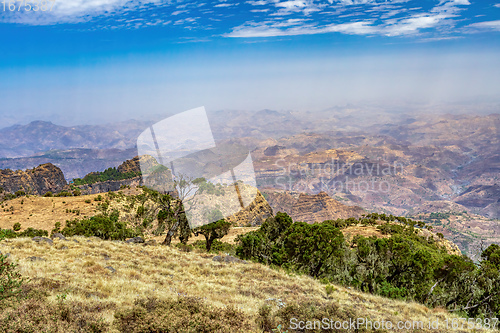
90,61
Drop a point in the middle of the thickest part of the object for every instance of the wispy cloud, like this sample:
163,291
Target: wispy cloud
412,25
389,18
226,5
438,19
487,25
177,12
275,29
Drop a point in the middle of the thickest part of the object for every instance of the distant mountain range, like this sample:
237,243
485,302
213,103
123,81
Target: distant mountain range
38,137
412,159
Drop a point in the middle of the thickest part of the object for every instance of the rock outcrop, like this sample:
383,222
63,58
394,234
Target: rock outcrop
129,166
110,185
254,214
40,180
311,208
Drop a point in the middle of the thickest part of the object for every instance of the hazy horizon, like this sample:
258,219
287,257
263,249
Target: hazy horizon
375,110
85,63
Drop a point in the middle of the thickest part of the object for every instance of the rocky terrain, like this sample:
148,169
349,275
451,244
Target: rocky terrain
396,160
39,180
254,214
74,162
311,208
392,168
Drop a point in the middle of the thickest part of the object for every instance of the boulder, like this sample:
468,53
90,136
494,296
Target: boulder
229,259
135,240
232,259
42,239
58,236
111,269
36,259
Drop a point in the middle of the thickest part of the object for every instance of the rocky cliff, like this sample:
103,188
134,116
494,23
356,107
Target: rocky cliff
254,214
110,185
40,180
129,166
311,208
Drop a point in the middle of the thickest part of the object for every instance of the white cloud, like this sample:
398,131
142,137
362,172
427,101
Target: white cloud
488,25
497,5
273,30
292,4
366,2
392,18
353,28
226,5
413,24
258,2
178,12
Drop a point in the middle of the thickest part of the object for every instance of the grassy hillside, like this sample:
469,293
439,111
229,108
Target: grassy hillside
92,285
72,284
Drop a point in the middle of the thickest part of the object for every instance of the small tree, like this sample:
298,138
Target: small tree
312,247
171,213
10,278
213,231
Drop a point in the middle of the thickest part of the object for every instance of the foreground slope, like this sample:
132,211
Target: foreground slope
119,285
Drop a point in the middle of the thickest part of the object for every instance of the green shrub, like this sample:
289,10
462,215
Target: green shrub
105,226
20,193
32,232
64,194
217,246
57,228
7,233
186,247
403,265
48,194
213,231
17,226
10,279
106,175
329,289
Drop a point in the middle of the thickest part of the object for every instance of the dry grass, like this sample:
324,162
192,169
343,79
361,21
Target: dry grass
362,230
79,271
43,213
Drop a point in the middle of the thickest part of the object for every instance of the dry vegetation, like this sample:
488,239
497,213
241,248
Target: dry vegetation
91,285
75,272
